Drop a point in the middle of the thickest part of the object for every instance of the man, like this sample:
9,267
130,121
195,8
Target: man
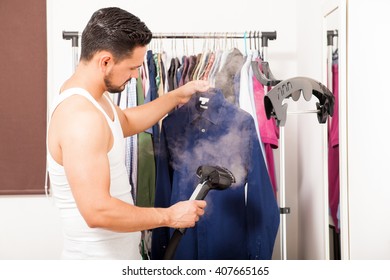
85,144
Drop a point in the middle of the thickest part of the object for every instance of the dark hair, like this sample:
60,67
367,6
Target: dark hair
114,30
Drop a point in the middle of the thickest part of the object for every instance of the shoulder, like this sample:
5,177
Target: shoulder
77,117
77,107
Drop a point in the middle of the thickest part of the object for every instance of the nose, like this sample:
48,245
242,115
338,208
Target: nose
134,73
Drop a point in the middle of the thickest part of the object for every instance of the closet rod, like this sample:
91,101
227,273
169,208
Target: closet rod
216,35
74,35
265,36
212,35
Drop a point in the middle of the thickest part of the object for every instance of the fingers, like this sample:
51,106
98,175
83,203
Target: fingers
201,204
199,210
202,85
187,213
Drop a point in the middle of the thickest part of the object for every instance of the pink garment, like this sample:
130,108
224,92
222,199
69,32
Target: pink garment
269,132
333,153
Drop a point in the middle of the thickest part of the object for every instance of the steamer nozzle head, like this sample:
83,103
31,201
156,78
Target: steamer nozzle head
216,177
210,178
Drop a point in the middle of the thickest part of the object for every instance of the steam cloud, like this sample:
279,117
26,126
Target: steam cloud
230,150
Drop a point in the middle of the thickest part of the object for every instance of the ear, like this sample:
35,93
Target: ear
105,61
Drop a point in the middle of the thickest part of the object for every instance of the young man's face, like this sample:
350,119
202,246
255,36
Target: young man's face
120,73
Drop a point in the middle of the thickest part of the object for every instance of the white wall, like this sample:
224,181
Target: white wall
30,228
368,147
312,222
293,53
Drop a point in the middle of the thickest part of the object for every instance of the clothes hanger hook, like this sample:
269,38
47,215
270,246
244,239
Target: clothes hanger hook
250,40
245,47
193,44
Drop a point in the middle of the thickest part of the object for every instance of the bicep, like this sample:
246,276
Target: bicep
126,120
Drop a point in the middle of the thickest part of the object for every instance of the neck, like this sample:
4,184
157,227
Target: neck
85,77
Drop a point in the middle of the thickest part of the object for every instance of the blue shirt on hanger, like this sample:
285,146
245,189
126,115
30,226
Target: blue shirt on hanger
240,222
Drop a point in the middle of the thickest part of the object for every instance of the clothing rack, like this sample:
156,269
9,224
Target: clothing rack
265,36
274,106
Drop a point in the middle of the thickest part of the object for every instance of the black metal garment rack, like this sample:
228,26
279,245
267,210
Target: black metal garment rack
274,106
74,37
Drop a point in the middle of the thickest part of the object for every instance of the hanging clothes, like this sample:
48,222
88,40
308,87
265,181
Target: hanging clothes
127,99
164,71
269,132
224,79
191,67
209,65
179,71
200,65
155,90
214,68
132,141
236,225
246,95
186,64
172,73
146,163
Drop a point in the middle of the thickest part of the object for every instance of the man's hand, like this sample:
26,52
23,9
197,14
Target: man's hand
185,214
185,92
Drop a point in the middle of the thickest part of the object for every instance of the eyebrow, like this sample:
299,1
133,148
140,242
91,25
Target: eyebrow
135,67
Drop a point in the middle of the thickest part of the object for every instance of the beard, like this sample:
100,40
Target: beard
112,88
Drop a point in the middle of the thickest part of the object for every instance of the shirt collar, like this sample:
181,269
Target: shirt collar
210,108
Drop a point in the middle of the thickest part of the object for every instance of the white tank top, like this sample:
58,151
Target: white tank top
81,241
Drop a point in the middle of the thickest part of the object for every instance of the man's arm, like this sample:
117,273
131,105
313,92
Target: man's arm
137,119
87,168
